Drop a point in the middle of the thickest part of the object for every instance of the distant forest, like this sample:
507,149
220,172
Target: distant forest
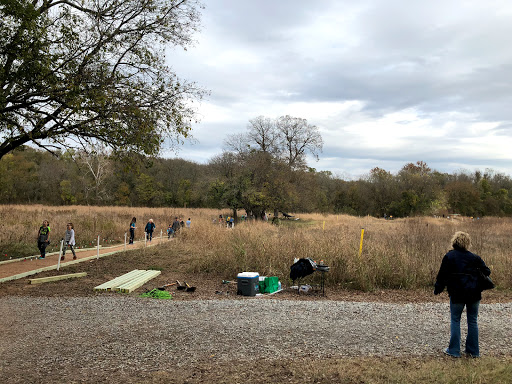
254,181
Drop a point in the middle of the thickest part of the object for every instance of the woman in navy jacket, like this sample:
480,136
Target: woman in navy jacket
459,273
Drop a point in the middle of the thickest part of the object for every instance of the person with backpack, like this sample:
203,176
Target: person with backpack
150,227
43,238
459,272
69,241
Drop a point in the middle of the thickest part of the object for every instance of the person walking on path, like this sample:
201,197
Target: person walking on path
188,223
69,241
132,230
43,238
459,272
176,226
150,227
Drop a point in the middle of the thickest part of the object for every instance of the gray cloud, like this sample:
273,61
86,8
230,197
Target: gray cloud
444,65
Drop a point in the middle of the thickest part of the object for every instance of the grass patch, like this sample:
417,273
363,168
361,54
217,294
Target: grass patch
488,370
155,268
17,250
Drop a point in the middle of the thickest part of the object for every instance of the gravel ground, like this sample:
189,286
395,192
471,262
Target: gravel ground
94,339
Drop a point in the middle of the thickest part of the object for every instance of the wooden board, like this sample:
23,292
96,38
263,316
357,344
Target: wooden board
111,284
137,282
56,278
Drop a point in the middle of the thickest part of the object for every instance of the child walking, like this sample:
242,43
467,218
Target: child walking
43,238
69,241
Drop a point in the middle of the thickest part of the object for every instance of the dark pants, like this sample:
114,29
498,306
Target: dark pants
42,247
150,235
72,250
132,235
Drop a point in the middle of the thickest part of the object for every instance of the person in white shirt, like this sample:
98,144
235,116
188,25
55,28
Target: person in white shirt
69,241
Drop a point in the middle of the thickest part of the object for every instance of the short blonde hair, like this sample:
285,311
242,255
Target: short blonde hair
461,240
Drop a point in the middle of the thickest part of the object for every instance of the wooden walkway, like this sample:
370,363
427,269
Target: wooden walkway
23,267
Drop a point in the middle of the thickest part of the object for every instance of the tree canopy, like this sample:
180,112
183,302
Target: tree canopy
75,72
271,157
286,138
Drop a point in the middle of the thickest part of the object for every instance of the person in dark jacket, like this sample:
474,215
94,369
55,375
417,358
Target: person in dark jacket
43,238
132,230
150,227
176,226
459,273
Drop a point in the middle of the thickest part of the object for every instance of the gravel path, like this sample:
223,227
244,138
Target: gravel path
102,335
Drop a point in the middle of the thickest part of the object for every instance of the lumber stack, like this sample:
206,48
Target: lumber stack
129,281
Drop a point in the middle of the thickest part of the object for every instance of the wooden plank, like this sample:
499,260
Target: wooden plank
141,281
111,284
41,280
138,282
121,287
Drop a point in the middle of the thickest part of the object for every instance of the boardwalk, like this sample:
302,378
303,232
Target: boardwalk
16,269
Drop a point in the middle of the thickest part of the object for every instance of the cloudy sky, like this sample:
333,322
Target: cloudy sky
386,82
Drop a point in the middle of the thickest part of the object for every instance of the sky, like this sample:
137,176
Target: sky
386,82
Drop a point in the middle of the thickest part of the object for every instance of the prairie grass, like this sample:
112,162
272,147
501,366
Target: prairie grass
370,370
19,225
398,254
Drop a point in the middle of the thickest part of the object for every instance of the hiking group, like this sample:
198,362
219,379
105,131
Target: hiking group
150,227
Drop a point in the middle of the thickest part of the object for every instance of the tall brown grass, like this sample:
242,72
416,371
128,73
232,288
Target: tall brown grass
19,225
403,253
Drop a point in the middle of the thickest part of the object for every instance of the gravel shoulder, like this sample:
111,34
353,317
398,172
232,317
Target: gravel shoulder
104,337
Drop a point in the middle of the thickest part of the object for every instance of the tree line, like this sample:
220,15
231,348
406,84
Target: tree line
252,179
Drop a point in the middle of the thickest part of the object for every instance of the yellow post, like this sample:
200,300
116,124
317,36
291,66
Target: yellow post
323,225
361,243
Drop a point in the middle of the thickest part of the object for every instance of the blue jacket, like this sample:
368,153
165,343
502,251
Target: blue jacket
459,273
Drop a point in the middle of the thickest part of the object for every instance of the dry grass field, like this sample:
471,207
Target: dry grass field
396,254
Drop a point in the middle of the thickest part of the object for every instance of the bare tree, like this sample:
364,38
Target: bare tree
298,138
96,167
262,131
237,142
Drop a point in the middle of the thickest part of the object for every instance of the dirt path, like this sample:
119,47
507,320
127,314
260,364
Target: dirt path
32,265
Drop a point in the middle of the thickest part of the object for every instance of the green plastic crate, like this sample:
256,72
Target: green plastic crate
271,284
